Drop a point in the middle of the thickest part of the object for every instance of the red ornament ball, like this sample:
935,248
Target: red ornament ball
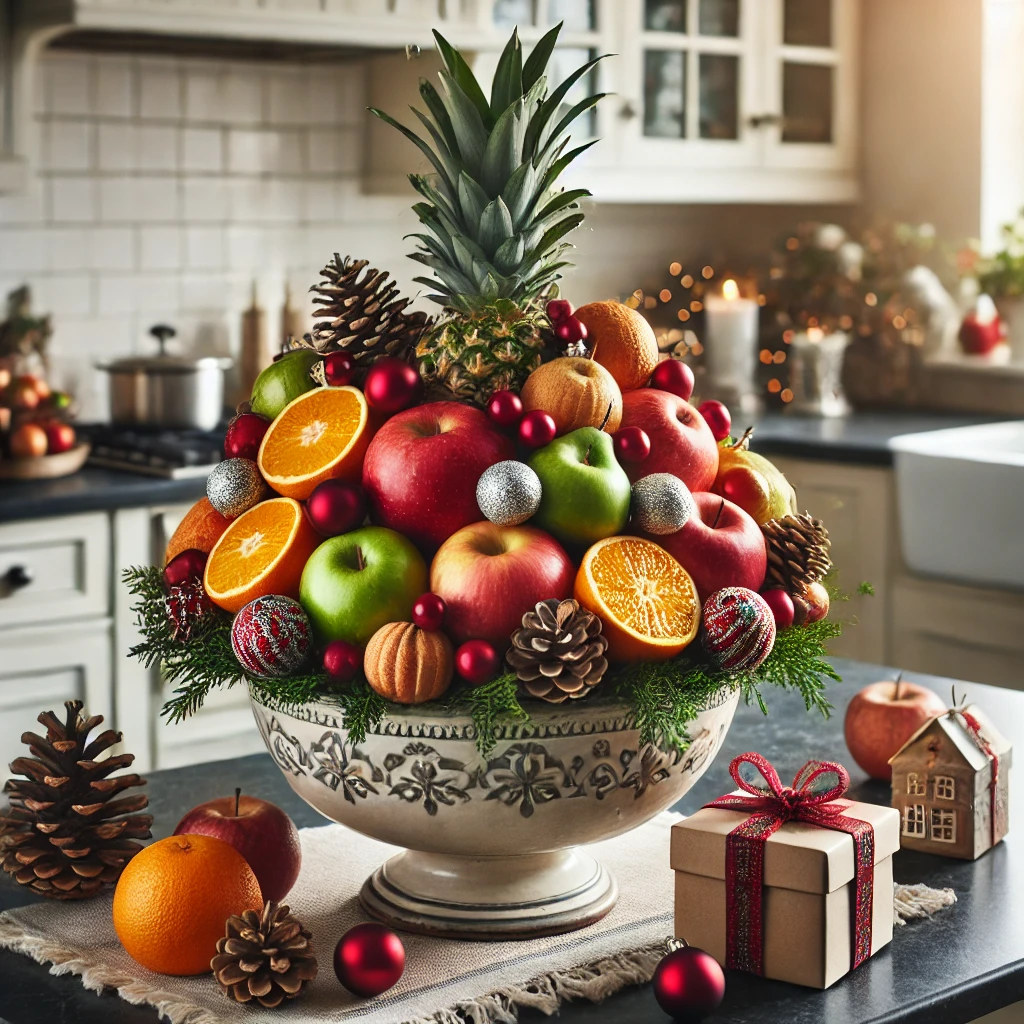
369,959
339,369
391,385
674,376
537,429
342,660
782,607
717,418
336,506
505,408
189,565
558,309
631,444
245,432
477,662
689,984
570,330
738,628
428,611
271,636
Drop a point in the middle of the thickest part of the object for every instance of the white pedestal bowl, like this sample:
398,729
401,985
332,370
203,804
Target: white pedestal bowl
491,845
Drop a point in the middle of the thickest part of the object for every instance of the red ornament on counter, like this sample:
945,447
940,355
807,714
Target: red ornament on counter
689,984
505,408
537,429
369,959
189,565
336,506
428,611
342,661
558,309
477,662
339,369
673,376
717,417
632,444
245,432
782,608
391,385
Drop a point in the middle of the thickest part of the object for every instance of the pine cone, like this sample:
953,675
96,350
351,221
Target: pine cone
798,548
559,652
363,315
267,957
64,835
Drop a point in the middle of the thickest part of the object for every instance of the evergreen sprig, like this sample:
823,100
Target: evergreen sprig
491,706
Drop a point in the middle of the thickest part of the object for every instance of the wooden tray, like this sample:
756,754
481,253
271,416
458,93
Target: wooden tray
45,467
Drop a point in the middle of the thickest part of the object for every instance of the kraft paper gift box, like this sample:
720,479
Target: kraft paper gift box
807,892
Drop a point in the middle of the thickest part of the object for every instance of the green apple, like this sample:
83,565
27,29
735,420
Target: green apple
282,382
585,490
355,583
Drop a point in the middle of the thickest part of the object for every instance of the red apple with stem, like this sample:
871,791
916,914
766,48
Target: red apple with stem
882,717
259,830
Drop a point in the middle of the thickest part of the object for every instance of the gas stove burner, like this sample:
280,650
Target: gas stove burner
171,454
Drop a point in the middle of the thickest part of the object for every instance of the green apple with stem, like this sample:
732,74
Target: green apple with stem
357,582
585,491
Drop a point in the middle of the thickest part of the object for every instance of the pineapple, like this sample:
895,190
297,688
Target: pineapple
494,222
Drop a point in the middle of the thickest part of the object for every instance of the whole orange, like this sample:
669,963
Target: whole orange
174,898
28,441
199,530
622,341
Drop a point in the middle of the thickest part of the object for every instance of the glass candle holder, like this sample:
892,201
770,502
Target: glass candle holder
816,369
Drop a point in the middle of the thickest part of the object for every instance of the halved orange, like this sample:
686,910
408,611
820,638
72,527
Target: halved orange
646,601
262,552
319,435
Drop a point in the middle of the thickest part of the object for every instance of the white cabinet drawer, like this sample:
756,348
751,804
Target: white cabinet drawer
66,561
224,727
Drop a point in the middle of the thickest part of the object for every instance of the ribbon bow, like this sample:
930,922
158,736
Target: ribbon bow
814,798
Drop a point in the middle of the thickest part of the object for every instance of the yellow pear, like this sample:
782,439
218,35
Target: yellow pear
752,482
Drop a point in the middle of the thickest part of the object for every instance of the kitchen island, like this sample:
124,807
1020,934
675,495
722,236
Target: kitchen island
967,961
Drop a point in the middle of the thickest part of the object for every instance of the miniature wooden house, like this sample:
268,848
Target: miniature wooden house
950,783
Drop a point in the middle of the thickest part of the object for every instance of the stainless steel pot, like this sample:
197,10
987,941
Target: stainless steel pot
166,390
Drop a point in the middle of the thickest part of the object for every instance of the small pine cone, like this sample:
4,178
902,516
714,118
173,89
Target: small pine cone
267,957
798,552
558,654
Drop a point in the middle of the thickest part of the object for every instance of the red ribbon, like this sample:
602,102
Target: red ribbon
813,798
974,729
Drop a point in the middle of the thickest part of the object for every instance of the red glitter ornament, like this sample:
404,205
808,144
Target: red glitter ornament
189,565
558,309
689,985
505,408
369,959
391,385
631,444
339,369
336,506
245,432
537,429
342,660
271,636
674,376
428,611
477,662
717,418
571,330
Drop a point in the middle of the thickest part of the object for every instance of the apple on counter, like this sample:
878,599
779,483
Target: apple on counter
259,830
882,717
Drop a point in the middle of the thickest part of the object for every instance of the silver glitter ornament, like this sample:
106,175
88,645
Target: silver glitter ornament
234,486
508,493
661,503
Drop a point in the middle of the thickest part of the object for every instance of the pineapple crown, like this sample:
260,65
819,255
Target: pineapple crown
494,223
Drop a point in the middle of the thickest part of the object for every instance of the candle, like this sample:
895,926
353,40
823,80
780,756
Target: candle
731,343
815,373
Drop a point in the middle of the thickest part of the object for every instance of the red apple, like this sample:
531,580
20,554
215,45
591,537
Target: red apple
681,441
720,546
882,717
260,831
421,469
981,329
490,576
60,437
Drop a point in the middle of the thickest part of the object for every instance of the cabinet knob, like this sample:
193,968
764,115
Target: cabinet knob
628,111
765,120
18,576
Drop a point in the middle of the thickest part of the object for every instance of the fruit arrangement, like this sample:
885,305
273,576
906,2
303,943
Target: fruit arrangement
33,417
513,503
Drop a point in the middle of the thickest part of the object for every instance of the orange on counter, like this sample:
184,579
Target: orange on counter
319,435
199,530
621,340
174,898
261,552
645,599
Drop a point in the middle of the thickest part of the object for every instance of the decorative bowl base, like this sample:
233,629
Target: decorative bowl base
490,897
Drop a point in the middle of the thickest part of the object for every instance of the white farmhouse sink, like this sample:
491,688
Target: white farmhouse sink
961,503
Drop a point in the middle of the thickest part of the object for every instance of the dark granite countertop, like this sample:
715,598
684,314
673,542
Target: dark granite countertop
861,438
966,962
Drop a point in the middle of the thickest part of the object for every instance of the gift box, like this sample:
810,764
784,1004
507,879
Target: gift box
788,882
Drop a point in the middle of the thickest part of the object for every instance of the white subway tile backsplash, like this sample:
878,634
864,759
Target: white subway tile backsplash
245,247
67,248
117,199
204,292
204,248
160,87
115,295
158,148
67,84
157,199
111,248
204,199
287,93
117,146
64,294
160,248
24,208
67,145
147,294
23,250
72,199
115,86
202,149
333,150
242,96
